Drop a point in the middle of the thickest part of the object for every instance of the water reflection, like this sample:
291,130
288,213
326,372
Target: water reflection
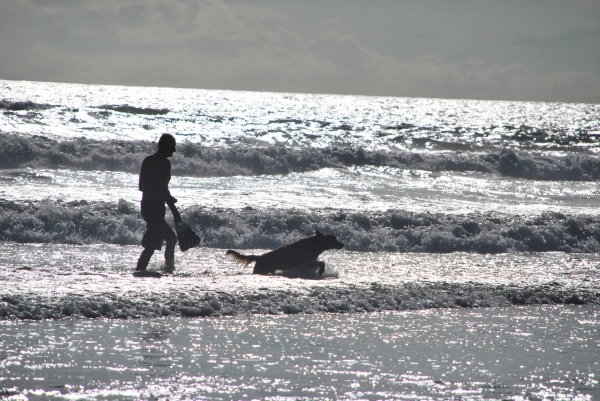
468,354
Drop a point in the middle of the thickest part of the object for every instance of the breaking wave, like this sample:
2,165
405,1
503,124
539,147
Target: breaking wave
82,222
376,298
200,161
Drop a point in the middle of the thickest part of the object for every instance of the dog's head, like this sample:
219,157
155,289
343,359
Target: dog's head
330,241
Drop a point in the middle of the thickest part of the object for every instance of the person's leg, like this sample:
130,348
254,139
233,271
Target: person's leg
170,256
171,240
144,259
152,241
154,215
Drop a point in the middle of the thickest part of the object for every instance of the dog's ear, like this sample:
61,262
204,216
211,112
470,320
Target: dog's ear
319,232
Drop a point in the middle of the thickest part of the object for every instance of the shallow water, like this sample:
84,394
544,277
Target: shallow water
492,353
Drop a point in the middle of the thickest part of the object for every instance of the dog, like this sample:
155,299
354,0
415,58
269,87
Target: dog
298,254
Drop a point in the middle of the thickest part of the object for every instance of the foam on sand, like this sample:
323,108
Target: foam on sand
94,281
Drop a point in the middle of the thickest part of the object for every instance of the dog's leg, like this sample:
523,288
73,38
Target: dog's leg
321,266
314,264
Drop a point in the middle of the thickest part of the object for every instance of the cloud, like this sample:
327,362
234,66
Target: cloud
574,39
586,4
249,46
478,79
424,36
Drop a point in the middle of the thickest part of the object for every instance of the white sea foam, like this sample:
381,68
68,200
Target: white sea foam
392,230
57,281
18,151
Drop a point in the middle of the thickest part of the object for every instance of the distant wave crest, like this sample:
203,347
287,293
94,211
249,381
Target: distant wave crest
134,110
22,105
192,159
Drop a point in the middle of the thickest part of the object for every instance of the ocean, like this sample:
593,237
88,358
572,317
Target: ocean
470,269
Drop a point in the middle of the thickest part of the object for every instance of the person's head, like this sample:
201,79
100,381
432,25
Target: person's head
166,145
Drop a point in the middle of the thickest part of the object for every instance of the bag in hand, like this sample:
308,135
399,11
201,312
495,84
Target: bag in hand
186,237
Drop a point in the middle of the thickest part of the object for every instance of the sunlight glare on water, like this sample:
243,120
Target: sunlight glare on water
225,118
471,238
494,353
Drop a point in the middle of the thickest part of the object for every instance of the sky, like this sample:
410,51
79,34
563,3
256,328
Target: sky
533,50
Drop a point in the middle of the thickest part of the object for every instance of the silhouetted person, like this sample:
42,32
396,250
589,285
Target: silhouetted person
154,184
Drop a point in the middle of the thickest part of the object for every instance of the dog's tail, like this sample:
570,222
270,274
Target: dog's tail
241,259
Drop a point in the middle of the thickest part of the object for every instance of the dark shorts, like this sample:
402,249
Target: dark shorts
157,229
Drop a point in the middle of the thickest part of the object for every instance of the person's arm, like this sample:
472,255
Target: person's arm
171,203
170,200
141,182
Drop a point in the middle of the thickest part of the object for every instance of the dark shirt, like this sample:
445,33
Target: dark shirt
154,178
